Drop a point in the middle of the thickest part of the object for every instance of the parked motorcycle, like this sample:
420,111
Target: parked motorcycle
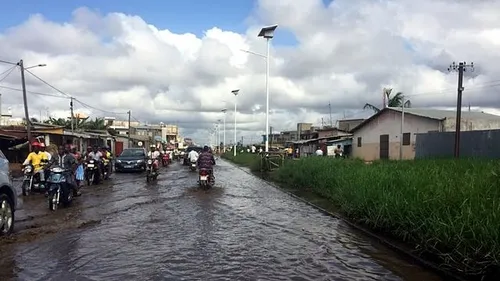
31,181
206,180
151,170
60,192
92,172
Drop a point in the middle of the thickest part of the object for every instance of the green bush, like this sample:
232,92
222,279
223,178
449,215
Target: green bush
447,208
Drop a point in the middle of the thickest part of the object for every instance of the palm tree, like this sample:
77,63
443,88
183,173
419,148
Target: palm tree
59,122
96,124
394,101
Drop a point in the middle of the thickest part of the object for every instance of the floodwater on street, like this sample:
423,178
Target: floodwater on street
242,229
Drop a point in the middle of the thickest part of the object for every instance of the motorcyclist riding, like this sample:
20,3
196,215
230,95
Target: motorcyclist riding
67,161
97,156
106,158
155,155
206,161
193,156
38,159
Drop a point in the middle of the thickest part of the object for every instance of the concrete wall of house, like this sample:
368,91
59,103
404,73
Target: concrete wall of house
347,125
471,124
472,144
389,123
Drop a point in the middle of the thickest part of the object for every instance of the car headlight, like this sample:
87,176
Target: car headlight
140,161
118,161
27,170
150,162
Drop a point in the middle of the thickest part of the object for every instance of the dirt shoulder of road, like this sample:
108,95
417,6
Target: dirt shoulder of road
310,196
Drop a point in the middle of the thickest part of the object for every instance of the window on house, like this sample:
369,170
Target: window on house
406,138
359,142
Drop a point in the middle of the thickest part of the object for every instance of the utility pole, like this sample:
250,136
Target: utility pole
460,68
271,135
25,101
331,120
129,129
224,146
72,115
402,130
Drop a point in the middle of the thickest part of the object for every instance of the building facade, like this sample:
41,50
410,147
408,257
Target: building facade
379,136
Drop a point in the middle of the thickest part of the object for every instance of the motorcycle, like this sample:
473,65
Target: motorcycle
31,180
193,166
105,173
92,172
206,180
165,159
151,170
60,192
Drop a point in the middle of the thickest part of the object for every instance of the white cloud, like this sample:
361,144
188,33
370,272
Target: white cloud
346,53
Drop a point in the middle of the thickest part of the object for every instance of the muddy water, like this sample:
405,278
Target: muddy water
243,229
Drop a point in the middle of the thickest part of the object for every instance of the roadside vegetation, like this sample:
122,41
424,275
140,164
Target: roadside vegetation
448,210
249,160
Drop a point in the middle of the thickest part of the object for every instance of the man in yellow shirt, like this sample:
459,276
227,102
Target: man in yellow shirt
38,159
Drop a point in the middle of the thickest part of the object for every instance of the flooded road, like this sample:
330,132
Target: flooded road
242,229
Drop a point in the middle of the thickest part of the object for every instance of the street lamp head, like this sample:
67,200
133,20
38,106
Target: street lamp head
235,92
224,110
42,65
268,31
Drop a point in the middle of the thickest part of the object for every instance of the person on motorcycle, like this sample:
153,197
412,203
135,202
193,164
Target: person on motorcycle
106,156
38,159
206,161
42,149
80,171
155,155
193,156
66,160
96,155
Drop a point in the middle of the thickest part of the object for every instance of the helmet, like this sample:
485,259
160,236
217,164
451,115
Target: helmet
35,143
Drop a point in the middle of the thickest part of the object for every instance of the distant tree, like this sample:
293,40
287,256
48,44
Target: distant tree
392,101
96,124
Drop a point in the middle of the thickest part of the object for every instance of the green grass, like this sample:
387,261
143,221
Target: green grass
249,160
448,208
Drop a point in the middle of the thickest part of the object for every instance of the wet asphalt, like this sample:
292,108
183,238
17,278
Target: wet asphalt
242,229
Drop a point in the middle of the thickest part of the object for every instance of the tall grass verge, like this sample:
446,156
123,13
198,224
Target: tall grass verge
249,160
446,208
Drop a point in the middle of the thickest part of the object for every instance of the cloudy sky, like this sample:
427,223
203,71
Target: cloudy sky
178,61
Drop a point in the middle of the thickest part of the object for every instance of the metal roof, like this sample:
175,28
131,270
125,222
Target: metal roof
443,114
436,114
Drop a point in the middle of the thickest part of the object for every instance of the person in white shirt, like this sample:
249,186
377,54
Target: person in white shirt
319,152
193,156
154,154
42,148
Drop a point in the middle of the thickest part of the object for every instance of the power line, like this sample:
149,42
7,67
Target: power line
7,73
34,93
75,99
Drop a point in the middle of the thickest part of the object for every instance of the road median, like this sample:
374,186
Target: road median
446,211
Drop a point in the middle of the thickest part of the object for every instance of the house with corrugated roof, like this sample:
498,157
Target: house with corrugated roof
378,137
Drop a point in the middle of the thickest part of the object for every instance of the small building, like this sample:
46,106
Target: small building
378,137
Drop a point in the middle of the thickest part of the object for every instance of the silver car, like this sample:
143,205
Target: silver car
8,198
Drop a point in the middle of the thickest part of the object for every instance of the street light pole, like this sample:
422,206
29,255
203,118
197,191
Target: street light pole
224,146
268,34
235,93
